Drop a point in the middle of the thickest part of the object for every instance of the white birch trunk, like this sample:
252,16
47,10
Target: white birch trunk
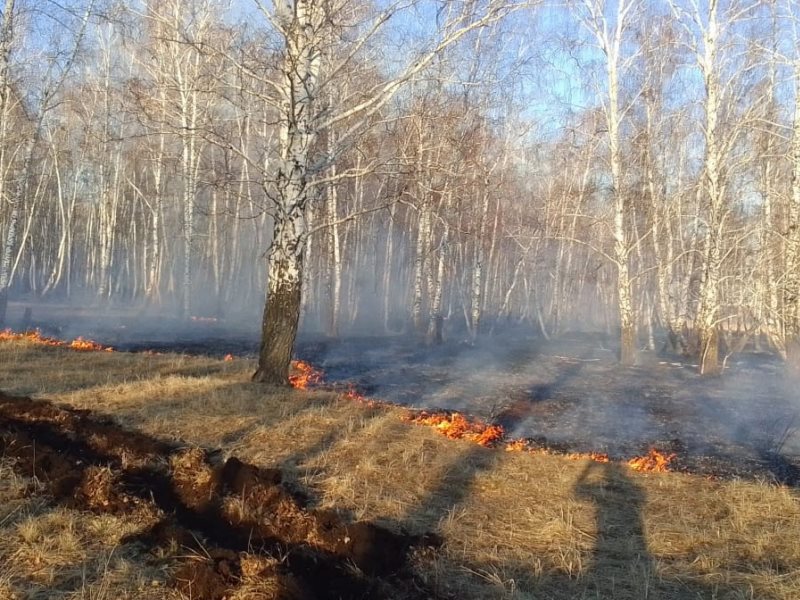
387,269
300,22
792,289
6,39
706,325
421,251
436,324
334,257
477,271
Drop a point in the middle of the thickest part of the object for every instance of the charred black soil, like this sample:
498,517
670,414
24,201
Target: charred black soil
235,519
571,395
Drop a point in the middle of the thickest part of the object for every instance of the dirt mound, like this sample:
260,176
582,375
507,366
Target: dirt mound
238,517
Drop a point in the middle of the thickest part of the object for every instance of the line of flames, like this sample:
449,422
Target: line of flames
456,426
523,445
36,337
79,343
452,425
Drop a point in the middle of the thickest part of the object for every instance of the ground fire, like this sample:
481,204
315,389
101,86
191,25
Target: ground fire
354,395
456,427
600,457
36,337
523,445
88,345
452,425
517,446
304,375
653,462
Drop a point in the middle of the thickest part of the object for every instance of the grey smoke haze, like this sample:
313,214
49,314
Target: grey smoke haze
570,391
573,392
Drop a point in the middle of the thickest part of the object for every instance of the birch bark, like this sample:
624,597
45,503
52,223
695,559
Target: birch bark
300,22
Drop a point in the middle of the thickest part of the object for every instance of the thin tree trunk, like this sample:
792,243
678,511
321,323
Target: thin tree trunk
477,271
419,266
707,326
20,192
6,39
436,324
153,288
334,258
627,318
387,269
792,293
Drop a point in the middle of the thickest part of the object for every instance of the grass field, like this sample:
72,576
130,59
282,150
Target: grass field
512,525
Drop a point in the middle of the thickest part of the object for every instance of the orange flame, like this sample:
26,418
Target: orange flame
517,446
456,427
36,337
522,445
304,376
489,436
452,425
88,346
353,394
653,462
600,457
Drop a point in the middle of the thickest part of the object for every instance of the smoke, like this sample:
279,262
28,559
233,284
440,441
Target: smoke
568,393
140,326
571,393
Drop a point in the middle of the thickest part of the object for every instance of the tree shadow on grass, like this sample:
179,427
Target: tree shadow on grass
237,507
523,408
619,565
455,484
313,449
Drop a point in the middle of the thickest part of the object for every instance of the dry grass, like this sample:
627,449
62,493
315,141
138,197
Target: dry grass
53,553
514,525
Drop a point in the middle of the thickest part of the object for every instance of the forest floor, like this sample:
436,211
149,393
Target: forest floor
140,475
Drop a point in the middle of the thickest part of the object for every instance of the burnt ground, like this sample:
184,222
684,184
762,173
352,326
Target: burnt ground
567,394
570,395
238,519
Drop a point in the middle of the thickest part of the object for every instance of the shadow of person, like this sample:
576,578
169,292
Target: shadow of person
620,559
621,565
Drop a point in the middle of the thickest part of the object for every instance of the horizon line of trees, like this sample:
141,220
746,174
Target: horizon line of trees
621,164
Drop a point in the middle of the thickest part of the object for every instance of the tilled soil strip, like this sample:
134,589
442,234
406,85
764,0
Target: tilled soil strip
242,512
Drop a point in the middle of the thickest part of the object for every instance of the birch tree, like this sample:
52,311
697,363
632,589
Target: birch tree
436,188
706,25
6,41
182,32
57,66
792,256
304,28
609,22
